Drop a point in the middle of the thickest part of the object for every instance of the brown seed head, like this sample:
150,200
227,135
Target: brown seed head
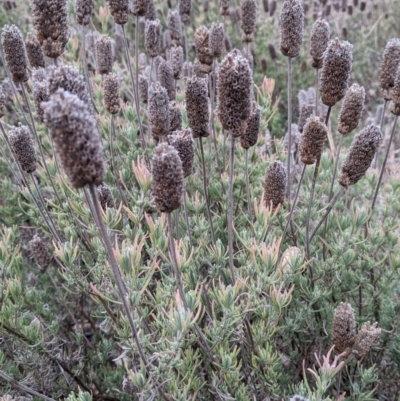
291,28
250,135
40,93
167,172
216,39
152,38
76,138
22,147
390,63
367,336
395,106
151,12
111,88
175,117
360,156
344,328
335,73
84,11
39,252
176,60
182,141
174,26
140,7
306,111
159,116
235,84
275,185
166,78
185,8
197,69
224,9
320,34
351,110
249,17
312,140
104,55
272,51
119,9
201,42
143,88
2,102
50,19
39,75
106,198
15,53
34,51
197,106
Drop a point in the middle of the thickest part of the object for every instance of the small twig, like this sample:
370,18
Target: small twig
247,183
230,209
288,180
185,207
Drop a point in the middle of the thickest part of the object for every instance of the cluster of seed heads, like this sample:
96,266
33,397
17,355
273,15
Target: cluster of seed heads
197,106
249,17
104,55
159,117
367,336
275,186
216,39
175,117
395,105
185,9
344,328
166,78
174,26
34,51
291,28
202,45
390,63
106,198
22,147
151,12
84,11
250,135
351,110
152,38
182,141
111,87
312,140
40,92
140,7
39,252
176,60
320,35
120,10
143,88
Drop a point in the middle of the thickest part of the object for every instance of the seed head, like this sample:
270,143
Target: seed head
15,53
176,60
39,75
174,26
185,8
106,198
320,34
291,28
151,12
159,117
187,70
275,185
175,117
197,106
367,336
197,69
351,110
167,172
272,51
234,92
39,252
306,111
104,55
312,140
111,87
140,7
335,73
344,328
152,37
249,16
2,102
360,156
22,147
166,78
216,39
395,106
249,57
34,51
76,139
201,42
182,141
390,63
50,19
40,94
119,9
250,136
143,88
225,4
84,11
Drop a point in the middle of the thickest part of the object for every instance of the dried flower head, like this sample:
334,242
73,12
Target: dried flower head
2,102
275,185
104,55
34,51
40,93
250,135
367,336
175,117
291,28
306,111
320,34
168,184
140,7
76,138
111,87
166,78
395,106
159,116
390,63
249,17
22,147
50,19
15,53
84,11
197,69
344,328
176,60
119,10
224,9
187,70
39,252
272,51
174,26
312,140
106,198
185,9
352,108
360,156
201,42
197,106
152,37
182,141
216,39
335,73
143,88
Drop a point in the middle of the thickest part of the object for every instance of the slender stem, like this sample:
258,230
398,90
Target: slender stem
39,143
230,209
384,164
206,191
310,202
341,191
112,130
247,183
185,207
381,122
316,91
288,180
328,114
186,43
